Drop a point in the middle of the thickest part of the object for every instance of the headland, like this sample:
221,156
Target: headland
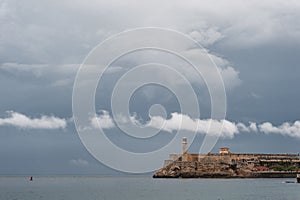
226,164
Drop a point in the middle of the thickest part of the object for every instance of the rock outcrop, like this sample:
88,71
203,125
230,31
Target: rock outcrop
226,164
201,170
218,168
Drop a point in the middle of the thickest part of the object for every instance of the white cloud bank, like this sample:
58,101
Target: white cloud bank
289,129
180,121
22,121
103,120
183,122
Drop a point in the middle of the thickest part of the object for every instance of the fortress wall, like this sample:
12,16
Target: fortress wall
233,158
181,163
282,156
246,157
168,162
174,156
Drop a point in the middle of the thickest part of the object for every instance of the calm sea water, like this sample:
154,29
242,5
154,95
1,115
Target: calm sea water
114,188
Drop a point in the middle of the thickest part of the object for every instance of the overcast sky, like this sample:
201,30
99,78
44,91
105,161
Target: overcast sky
255,45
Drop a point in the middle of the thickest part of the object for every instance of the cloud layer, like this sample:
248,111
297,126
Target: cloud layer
22,121
103,120
180,121
289,129
45,37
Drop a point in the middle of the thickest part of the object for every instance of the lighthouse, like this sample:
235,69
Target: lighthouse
184,149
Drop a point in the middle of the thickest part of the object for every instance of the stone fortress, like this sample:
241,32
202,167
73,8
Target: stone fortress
226,164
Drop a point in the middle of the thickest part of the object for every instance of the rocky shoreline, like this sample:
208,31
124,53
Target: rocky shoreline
227,175
226,164
217,170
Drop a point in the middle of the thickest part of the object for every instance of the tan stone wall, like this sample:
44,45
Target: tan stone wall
241,157
174,156
249,159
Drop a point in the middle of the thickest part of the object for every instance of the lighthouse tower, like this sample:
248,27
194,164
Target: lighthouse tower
184,149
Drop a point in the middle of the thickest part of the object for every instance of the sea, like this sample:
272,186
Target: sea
145,187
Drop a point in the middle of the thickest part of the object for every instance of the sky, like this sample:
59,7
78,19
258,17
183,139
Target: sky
255,46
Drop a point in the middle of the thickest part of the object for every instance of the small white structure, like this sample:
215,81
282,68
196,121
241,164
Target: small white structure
224,150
